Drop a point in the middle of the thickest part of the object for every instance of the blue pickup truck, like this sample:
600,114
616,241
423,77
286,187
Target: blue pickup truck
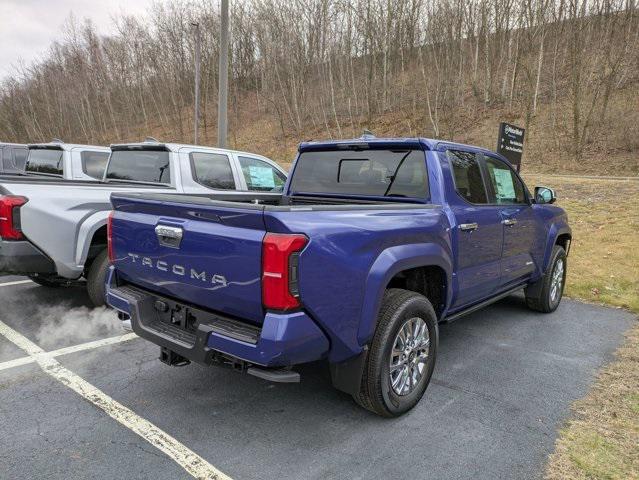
372,243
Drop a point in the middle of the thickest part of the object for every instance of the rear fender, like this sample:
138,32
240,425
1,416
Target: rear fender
89,225
389,263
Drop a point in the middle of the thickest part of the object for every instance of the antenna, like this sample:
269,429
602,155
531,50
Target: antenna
56,140
150,140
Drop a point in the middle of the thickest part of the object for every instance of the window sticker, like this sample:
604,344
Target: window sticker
261,176
504,184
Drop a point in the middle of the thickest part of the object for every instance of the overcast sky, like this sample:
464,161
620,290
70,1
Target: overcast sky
29,26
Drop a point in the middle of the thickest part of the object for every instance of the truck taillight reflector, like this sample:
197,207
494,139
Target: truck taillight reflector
110,237
280,253
10,228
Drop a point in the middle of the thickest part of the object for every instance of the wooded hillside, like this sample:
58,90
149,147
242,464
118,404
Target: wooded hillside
566,70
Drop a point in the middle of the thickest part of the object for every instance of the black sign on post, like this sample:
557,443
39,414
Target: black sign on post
510,143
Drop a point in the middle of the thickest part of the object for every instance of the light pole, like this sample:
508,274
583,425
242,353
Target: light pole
222,99
196,113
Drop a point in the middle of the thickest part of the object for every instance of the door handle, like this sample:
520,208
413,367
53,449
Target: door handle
509,222
468,227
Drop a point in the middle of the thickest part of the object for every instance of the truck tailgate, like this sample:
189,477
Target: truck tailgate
207,255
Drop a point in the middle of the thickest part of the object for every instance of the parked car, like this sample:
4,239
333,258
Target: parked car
67,161
13,157
54,230
372,244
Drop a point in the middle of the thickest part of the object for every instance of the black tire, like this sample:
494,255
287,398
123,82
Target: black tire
96,278
50,281
377,393
539,295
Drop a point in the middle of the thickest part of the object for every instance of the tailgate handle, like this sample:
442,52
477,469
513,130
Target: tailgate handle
169,236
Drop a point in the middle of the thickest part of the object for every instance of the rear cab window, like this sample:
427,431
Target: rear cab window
45,160
94,163
140,166
366,172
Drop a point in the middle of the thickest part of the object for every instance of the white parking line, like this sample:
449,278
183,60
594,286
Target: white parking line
67,350
16,363
90,345
17,282
176,451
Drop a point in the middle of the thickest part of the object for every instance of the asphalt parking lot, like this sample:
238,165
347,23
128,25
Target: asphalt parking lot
503,384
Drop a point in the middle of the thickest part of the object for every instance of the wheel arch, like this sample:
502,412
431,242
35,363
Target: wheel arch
91,236
559,234
405,266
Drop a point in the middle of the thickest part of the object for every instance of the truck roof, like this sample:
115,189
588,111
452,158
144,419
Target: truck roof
174,147
10,144
390,142
68,146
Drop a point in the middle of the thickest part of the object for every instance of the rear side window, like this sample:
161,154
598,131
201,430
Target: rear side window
507,188
13,158
94,163
140,166
212,170
20,158
42,160
467,173
390,173
261,176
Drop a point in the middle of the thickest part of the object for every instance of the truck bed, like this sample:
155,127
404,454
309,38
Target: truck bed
274,201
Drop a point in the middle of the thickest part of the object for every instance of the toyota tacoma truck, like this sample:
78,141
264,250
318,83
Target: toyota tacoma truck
54,230
372,243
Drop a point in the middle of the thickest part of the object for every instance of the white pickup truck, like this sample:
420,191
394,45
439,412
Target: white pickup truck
54,231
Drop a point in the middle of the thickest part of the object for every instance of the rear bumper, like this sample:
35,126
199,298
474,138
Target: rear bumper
24,258
282,340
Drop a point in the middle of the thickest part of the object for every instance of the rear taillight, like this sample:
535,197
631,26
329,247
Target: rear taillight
280,254
10,228
110,237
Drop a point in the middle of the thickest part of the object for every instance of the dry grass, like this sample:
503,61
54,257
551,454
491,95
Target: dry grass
601,441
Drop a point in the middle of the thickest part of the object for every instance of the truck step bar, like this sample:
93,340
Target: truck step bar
481,305
280,375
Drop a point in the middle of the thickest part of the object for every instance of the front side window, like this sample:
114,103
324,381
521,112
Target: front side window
140,166
374,172
45,160
94,163
468,179
261,176
507,188
212,170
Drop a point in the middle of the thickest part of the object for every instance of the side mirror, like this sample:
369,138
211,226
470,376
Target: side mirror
544,195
